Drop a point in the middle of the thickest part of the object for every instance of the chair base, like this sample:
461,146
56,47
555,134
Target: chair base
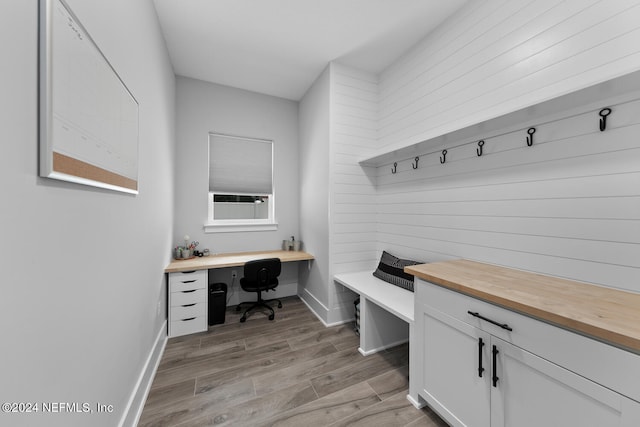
256,304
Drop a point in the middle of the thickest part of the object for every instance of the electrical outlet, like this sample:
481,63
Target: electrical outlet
234,274
159,308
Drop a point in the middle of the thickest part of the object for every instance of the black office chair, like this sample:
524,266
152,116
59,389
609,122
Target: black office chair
260,275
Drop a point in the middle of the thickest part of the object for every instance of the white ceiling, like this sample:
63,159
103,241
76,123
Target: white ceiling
279,47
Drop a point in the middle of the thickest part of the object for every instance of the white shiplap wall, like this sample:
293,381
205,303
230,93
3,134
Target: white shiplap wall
498,56
353,133
568,206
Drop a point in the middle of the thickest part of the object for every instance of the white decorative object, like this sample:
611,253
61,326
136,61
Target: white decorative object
88,117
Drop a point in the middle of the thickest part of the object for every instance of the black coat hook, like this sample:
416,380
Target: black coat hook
603,118
395,167
479,149
531,131
415,165
444,157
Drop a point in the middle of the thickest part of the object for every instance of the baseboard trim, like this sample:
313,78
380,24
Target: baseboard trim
384,347
417,403
314,301
314,305
138,397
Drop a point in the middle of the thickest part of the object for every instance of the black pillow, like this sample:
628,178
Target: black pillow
391,269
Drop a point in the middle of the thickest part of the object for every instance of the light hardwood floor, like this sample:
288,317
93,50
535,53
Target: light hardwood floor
291,371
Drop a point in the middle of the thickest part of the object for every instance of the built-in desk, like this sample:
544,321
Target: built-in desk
188,280
234,259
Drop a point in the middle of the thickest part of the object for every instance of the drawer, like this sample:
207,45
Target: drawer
187,280
188,310
578,353
458,306
187,326
187,297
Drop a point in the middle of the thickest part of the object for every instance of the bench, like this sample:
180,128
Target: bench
386,311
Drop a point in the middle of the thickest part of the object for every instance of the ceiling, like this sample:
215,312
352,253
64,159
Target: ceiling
279,47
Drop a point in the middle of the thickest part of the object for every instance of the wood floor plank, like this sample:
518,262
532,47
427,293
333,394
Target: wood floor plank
179,358
253,328
328,409
322,335
180,411
391,412
274,379
363,369
160,396
204,366
251,368
429,419
295,331
257,410
347,341
289,371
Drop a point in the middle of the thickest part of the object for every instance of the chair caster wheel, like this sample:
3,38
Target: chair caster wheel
271,316
279,305
242,319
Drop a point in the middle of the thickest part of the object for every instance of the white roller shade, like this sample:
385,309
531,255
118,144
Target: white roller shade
240,165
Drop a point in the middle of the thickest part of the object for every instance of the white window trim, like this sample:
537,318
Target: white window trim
235,225
233,228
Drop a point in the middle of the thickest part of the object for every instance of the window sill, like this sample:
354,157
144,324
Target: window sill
236,227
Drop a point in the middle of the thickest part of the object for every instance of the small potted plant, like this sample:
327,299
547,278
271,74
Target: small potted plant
186,251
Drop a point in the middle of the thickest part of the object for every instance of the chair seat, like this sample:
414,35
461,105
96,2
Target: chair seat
260,275
250,286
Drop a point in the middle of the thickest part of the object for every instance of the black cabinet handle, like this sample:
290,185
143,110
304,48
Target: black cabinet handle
502,325
188,281
188,272
186,320
188,292
495,374
189,305
480,368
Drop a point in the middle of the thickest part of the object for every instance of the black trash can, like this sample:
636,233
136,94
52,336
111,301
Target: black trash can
217,303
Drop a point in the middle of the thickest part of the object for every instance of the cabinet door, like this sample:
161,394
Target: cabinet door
533,392
455,368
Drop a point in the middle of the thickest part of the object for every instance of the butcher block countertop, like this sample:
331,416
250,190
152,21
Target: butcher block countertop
609,315
235,259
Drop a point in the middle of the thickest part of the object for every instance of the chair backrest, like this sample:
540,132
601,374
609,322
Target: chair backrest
262,271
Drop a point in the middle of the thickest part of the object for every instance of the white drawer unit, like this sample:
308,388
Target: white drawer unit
187,280
187,302
187,326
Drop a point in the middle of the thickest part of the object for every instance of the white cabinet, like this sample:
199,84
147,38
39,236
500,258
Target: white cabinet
480,365
533,392
187,302
451,382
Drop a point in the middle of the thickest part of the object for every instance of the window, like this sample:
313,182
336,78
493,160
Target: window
241,194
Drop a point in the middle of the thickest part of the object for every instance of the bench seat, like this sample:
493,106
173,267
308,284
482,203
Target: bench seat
386,311
393,298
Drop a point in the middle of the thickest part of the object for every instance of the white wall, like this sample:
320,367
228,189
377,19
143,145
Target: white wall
496,56
569,205
82,267
566,206
338,216
203,107
352,237
314,193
